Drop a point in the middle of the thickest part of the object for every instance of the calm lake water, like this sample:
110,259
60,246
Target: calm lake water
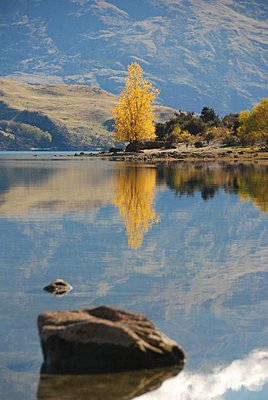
185,245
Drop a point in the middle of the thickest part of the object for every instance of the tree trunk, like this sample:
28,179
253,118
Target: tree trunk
133,146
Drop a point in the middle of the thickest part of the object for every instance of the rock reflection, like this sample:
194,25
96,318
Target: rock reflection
134,196
119,386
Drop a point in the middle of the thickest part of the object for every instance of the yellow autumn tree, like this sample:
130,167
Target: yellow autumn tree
254,124
134,115
134,196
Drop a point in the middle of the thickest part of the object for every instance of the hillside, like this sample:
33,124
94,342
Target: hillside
76,116
197,52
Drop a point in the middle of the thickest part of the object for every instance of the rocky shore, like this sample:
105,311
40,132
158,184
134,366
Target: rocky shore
186,154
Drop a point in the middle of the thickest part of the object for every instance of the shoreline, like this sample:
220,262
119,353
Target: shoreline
219,155
212,154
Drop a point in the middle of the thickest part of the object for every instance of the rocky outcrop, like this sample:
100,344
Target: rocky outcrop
58,287
103,339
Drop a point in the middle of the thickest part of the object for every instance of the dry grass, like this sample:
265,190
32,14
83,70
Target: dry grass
82,109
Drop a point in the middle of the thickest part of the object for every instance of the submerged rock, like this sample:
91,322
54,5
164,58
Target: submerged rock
58,287
103,339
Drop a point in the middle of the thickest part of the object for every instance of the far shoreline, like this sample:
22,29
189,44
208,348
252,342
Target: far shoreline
181,154
187,154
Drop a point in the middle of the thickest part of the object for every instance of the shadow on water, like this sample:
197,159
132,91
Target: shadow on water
117,386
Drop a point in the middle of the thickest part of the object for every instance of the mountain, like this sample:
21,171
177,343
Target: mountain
197,52
74,117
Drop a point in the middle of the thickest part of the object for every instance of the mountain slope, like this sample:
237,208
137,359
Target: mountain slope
77,116
198,52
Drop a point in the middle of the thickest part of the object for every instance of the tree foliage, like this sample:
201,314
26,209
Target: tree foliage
186,121
246,128
134,114
231,121
18,135
254,124
208,115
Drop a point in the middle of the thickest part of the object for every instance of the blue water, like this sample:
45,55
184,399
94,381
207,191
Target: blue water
185,245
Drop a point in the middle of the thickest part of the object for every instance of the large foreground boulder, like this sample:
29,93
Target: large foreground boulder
103,339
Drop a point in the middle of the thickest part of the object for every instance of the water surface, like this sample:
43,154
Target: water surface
185,245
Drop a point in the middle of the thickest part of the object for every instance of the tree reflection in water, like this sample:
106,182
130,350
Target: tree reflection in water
249,182
134,196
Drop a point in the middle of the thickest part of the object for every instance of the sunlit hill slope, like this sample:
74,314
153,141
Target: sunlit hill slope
75,116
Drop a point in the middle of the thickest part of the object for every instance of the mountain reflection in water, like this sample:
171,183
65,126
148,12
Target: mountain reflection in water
130,188
249,374
198,269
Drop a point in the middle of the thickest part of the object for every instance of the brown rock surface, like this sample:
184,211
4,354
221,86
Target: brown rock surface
103,339
58,287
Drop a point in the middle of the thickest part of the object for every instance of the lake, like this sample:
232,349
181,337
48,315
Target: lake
184,244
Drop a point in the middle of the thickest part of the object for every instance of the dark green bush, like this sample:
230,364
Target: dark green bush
19,135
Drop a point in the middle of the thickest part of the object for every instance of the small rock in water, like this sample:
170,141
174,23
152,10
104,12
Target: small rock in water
103,339
58,287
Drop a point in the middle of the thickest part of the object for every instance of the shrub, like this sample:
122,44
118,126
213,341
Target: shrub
25,135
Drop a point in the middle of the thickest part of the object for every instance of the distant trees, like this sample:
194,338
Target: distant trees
134,114
194,125
134,120
231,121
208,115
248,127
18,135
184,127
187,121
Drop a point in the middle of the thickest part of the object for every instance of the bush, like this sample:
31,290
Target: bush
254,124
195,126
209,116
23,135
